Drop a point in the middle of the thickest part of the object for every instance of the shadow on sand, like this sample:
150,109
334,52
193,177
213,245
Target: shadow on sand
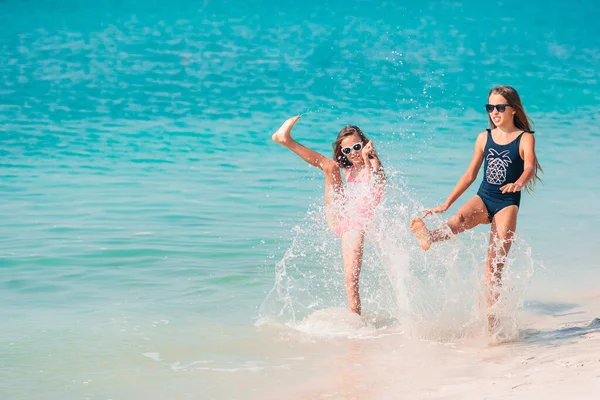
566,333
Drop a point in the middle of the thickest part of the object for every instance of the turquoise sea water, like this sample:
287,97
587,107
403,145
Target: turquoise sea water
145,209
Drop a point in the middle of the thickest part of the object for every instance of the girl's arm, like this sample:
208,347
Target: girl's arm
528,154
466,180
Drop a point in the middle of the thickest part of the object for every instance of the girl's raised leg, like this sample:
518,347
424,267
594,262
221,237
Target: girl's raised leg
333,178
471,214
333,194
283,136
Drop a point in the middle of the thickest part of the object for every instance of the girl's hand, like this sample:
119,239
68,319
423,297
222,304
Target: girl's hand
511,188
368,150
435,210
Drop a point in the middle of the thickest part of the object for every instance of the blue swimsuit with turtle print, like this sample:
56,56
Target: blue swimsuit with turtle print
502,165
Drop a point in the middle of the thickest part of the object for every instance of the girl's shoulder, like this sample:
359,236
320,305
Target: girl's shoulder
528,134
527,138
481,140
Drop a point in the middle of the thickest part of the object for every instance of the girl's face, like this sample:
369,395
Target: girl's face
501,119
352,149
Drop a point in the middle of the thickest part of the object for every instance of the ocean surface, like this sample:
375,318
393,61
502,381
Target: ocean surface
156,244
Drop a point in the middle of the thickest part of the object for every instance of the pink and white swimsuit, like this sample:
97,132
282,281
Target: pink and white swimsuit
360,199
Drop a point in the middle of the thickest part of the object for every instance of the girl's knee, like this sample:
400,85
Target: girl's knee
503,237
456,222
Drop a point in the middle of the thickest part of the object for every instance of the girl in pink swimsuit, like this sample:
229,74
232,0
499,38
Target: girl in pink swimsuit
350,208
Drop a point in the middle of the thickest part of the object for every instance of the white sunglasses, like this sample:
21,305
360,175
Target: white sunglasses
356,147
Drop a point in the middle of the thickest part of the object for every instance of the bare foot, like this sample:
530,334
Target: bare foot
417,226
498,332
283,134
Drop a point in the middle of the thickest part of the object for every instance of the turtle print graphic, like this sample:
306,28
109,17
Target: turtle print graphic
497,164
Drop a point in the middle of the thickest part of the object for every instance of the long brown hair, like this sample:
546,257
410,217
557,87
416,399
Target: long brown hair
521,121
338,156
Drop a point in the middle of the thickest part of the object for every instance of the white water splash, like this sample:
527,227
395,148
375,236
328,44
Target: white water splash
437,295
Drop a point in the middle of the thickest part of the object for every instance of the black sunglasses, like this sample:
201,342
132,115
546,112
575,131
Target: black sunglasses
500,107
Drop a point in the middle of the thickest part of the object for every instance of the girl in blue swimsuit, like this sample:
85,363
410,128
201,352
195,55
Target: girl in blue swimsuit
507,151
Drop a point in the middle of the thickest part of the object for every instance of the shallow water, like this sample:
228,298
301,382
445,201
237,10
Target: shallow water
145,209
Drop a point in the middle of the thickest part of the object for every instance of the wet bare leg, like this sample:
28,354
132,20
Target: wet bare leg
333,194
283,136
333,178
501,237
352,251
471,214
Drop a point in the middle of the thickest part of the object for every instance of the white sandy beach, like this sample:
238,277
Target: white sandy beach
557,358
